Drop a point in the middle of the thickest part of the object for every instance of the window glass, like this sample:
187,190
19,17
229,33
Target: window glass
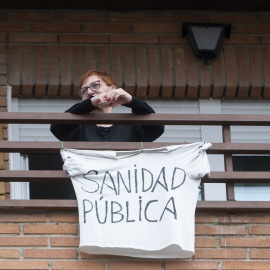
48,190
252,192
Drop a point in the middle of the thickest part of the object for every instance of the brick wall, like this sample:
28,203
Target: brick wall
47,51
49,240
43,54
4,165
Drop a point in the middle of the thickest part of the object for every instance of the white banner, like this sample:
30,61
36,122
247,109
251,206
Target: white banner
135,203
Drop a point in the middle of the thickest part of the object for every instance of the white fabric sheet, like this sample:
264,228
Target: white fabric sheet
139,204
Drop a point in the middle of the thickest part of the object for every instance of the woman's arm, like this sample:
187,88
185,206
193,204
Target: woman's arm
64,132
145,133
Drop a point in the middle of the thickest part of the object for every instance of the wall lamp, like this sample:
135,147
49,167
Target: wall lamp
206,39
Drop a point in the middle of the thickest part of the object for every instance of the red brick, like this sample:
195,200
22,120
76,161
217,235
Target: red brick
50,253
7,187
14,69
115,52
30,16
90,58
243,73
129,66
24,265
103,56
265,18
64,217
266,40
241,40
230,71
132,17
220,254
205,242
83,38
205,81
9,228
65,68
23,241
3,79
14,27
154,74
244,265
49,229
28,73
191,265
245,242
173,39
255,73
218,76
81,17
192,74
180,83
3,58
133,39
5,135
77,265
166,67
33,37
134,265
107,28
53,71
3,49
233,18
259,254
219,229
141,72
181,17
244,218
263,229
2,15
55,27
266,70
2,37
40,66
3,101
252,29
157,28
65,241
9,254
3,69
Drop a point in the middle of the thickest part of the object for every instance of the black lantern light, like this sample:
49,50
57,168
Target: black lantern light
206,39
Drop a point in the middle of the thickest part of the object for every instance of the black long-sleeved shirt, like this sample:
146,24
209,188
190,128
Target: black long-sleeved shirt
115,133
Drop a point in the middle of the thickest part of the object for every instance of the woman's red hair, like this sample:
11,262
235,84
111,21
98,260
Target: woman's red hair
104,76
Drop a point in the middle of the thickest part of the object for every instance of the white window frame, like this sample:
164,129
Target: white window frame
18,190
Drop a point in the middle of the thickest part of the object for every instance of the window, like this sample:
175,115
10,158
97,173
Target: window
48,190
252,192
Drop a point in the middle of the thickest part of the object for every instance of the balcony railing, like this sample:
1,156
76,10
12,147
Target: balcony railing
229,177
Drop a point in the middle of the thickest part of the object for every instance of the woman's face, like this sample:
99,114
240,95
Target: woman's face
93,86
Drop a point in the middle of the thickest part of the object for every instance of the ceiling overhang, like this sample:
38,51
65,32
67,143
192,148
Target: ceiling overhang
124,5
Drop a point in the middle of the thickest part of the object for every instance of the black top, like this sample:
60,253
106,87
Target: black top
115,133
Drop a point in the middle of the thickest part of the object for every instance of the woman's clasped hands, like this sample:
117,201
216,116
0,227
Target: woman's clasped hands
111,98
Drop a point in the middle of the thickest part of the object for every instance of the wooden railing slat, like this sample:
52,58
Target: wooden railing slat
54,147
134,119
62,176
71,205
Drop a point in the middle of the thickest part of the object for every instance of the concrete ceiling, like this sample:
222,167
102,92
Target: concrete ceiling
127,5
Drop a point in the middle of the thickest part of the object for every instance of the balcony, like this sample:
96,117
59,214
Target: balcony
227,149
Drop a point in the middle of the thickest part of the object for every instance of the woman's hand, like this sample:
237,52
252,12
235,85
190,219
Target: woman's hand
111,98
118,97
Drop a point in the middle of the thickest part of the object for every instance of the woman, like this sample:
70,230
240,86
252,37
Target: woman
99,93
